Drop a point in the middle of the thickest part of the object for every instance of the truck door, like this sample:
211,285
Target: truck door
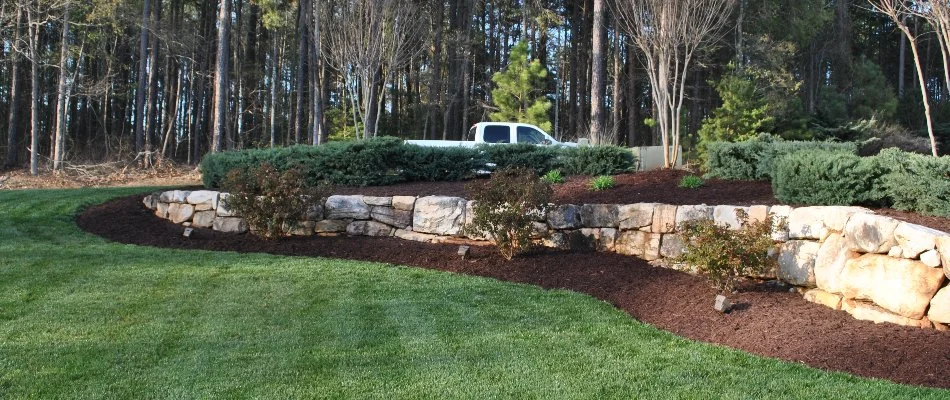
527,134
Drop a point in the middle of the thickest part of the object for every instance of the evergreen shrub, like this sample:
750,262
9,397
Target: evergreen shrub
599,160
916,182
755,159
823,177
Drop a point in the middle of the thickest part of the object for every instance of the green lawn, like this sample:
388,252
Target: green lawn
84,318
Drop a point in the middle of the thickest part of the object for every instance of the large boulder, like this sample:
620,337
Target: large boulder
672,245
173,196
779,230
439,215
378,201
346,207
816,222
870,233
223,210
830,261
599,215
565,216
940,307
915,239
796,262
602,239
635,216
331,226
901,286
404,203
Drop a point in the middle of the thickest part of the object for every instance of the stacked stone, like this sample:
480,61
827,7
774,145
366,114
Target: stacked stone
847,258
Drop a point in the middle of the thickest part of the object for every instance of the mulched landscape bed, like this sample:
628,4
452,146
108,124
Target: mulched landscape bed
768,320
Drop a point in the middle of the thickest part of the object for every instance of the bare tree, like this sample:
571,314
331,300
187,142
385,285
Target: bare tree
671,34
368,41
897,11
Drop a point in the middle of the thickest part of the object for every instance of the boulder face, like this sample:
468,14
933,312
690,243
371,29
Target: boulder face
830,261
915,239
726,215
645,245
869,233
635,216
391,216
230,225
940,307
179,213
796,262
203,219
901,286
664,219
566,216
599,215
693,213
203,199
369,228
943,247
439,215
346,207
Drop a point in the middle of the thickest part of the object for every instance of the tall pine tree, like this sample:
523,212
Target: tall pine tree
519,93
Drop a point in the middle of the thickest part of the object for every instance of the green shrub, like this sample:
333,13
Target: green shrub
755,159
505,207
553,177
828,178
359,163
916,182
522,155
429,164
691,182
272,202
602,182
598,160
724,256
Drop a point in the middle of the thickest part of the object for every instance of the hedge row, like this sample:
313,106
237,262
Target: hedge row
387,160
755,159
893,178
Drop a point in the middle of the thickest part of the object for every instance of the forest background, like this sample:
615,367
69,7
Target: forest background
95,81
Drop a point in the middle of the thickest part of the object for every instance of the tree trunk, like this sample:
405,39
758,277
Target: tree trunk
598,80
34,32
13,127
142,82
303,23
221,77
315,75
59,143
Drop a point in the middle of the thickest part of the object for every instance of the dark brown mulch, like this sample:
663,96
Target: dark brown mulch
772,323
660,186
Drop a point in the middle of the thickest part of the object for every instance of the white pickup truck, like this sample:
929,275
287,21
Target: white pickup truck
497,133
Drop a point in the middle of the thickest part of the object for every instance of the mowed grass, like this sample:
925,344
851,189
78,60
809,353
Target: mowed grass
81,317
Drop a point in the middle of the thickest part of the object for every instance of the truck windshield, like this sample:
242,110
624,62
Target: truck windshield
531,135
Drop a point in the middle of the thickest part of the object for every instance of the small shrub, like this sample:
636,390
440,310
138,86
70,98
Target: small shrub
599,160
691,182
553,177
724,256
505,207
602,182
271,202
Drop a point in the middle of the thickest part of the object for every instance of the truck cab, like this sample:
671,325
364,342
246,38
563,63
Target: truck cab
511,132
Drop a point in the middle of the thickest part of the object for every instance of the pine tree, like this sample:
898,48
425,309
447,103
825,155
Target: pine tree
519,93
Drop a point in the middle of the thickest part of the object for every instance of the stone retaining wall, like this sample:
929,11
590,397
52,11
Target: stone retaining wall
848,258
